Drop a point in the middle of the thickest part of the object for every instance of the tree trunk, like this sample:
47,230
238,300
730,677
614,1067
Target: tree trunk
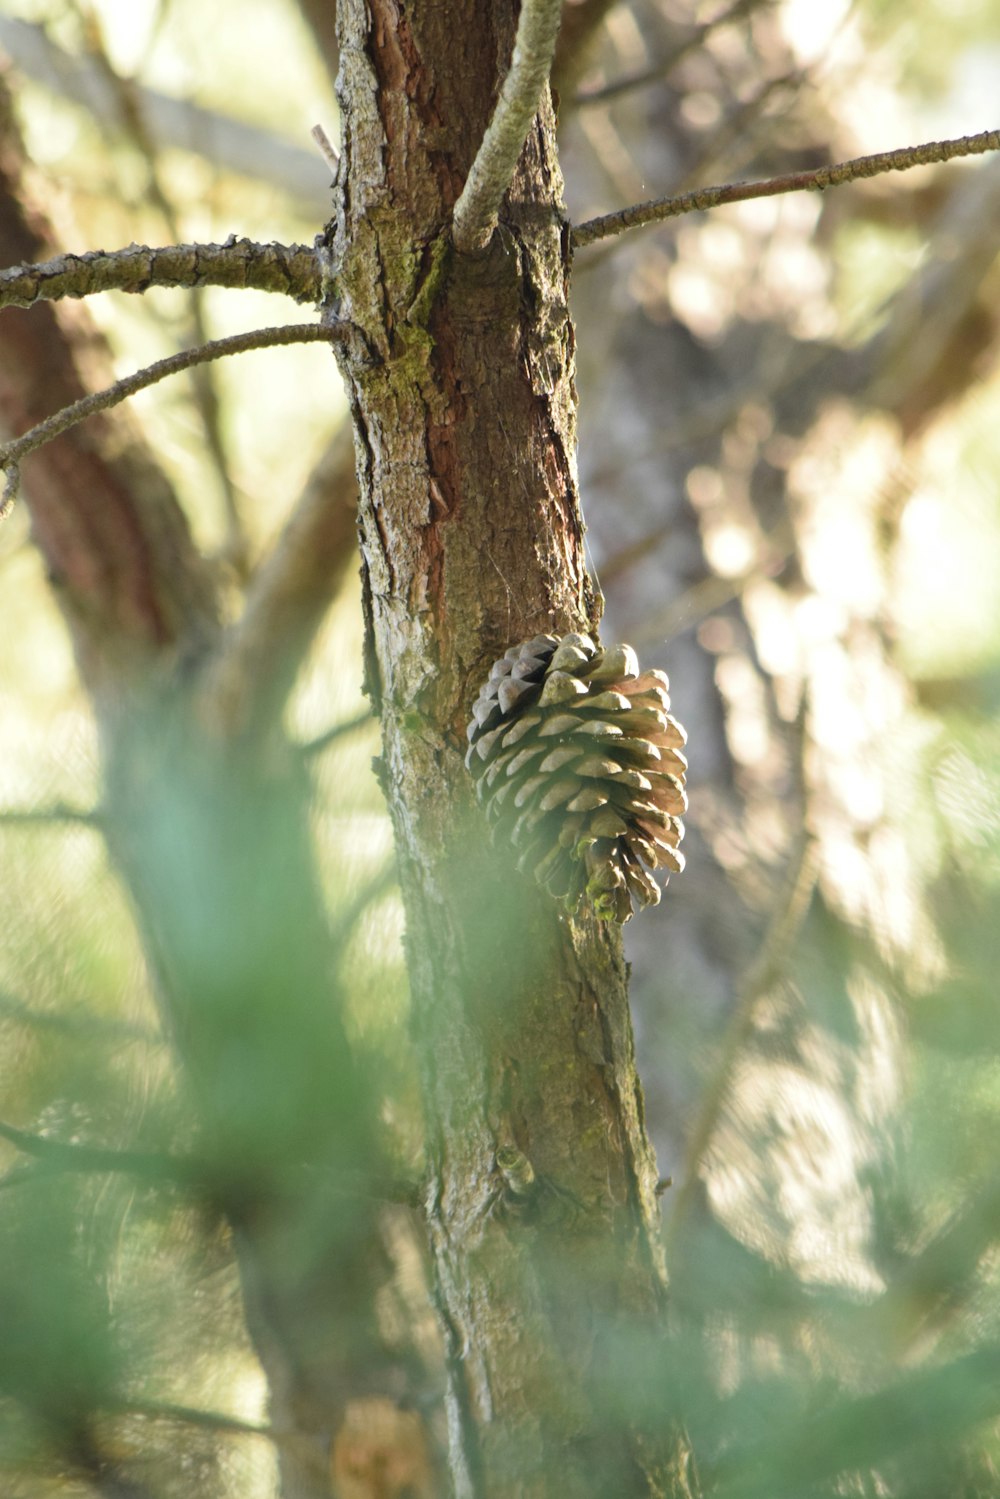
461,381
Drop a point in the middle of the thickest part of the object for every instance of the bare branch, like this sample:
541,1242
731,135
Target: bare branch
327,149
491,171
293,270
794,182
259,338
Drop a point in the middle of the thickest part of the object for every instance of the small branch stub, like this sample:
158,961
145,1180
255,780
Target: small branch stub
574,754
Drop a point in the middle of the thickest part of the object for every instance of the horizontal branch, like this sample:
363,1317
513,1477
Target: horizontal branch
491,171
293,270
76,1022
101,400
60,812
149,1165
191,1171
704,198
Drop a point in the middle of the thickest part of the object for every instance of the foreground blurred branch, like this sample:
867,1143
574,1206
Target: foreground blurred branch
86,1025
914,1416
293,270
188,1415
42,816
193,1171
794,182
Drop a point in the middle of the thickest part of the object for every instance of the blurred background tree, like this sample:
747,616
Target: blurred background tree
787,454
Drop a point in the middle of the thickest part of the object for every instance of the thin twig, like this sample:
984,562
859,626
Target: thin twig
794,182
293,270
786,920
130,114
60,811
491,171
239,343
323,741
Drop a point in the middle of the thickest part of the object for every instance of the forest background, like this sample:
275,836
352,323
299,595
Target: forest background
788,449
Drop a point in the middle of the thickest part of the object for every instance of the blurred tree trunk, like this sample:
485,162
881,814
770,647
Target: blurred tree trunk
206,814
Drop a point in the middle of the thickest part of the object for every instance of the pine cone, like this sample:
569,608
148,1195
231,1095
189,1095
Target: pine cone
573,751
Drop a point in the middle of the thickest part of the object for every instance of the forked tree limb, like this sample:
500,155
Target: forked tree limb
491,171
101,400
293,270
702,198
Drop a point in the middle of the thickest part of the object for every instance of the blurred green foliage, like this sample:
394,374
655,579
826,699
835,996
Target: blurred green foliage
859,1359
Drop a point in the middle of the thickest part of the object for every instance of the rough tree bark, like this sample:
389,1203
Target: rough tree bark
461,382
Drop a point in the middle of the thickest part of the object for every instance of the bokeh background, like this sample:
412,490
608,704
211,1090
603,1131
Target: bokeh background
789,449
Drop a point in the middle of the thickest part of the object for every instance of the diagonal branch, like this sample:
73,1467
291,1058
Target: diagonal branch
248,681
703,198
150,1165
491,171
293,270
259,338
193,1171
60,812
